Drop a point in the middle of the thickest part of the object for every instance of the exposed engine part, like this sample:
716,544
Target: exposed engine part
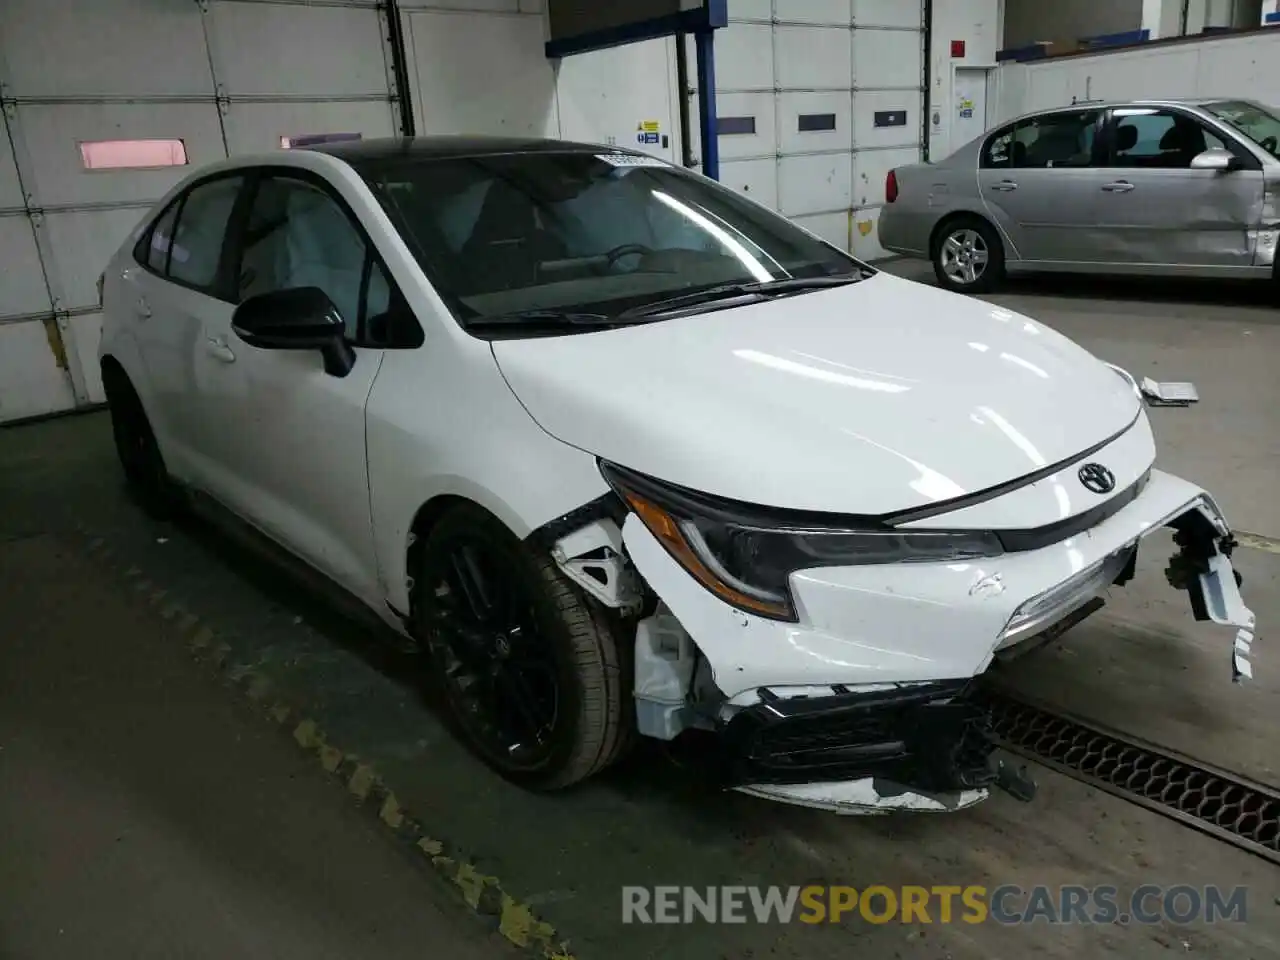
666,660
592,557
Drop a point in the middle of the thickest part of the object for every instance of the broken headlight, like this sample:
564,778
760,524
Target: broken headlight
745,555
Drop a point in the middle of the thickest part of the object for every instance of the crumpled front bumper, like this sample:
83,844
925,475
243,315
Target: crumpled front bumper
901,623
861,706
933,736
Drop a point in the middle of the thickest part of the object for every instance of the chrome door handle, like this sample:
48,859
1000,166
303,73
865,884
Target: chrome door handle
1005,186
1120,186
217,348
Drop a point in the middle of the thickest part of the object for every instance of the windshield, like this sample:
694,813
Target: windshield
581,233
1259,124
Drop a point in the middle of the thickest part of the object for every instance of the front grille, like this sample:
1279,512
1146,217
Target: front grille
928,737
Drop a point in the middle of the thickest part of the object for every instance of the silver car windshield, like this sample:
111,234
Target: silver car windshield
1259,124
580,232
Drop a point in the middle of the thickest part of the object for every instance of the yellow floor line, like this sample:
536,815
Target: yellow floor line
1257,542
483,894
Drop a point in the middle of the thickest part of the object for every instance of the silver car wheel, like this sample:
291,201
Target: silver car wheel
964,256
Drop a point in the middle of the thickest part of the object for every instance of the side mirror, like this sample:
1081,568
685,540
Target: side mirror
300,318
1216,158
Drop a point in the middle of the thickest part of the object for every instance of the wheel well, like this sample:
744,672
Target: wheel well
428,516
940,228
112,373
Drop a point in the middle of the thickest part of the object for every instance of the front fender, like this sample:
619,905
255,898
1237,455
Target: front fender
442,424
122,346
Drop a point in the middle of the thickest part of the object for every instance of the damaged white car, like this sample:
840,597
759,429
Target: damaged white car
627,453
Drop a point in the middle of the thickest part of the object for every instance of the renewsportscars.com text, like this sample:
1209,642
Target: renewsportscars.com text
1006,904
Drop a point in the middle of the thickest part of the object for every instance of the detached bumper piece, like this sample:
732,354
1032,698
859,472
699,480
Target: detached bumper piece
927,737
1203,568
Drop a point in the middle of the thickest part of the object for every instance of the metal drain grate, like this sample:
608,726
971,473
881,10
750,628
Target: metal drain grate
1222,804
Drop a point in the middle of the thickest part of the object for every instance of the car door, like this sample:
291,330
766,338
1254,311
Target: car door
294,434
1039,183
1157,212
176,288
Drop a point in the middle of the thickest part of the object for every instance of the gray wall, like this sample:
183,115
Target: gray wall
1026,21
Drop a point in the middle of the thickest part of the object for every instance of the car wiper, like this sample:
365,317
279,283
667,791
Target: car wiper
761,288
542,318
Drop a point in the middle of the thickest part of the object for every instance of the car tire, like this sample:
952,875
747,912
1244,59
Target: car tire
536,616
137,449
968,256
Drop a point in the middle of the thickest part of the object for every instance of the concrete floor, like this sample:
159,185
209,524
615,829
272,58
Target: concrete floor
1141,664
146,813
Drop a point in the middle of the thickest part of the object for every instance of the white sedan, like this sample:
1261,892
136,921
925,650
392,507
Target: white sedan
627,453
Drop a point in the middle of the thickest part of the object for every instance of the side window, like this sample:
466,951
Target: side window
1056,140
997,152
196,249
1052,140
298,235
156,253
1151,138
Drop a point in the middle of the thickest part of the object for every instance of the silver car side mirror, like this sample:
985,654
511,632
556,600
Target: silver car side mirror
1215,158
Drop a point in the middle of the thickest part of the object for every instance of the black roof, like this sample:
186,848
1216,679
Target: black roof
450,147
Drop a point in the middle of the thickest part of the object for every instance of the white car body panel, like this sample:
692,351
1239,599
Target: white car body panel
871,398
442,422
284,431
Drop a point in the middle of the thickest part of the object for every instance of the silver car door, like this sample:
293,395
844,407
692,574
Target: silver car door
1039,183
1158,213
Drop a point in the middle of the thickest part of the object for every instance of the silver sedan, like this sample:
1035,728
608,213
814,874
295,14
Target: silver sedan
1167,188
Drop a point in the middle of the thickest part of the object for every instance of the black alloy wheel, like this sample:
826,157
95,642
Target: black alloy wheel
526,664
136,448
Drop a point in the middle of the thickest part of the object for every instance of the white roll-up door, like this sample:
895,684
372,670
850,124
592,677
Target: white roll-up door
817,100
109,103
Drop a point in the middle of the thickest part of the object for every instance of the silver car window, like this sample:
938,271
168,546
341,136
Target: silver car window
1153,138
1062,139
1258,123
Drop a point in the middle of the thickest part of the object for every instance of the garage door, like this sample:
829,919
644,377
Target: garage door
107,104
817,101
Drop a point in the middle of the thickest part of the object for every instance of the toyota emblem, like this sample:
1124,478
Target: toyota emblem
1097,478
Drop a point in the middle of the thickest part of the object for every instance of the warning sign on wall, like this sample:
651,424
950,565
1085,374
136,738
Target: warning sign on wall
648,131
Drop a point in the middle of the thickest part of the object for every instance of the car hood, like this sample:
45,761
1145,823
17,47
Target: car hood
879,396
